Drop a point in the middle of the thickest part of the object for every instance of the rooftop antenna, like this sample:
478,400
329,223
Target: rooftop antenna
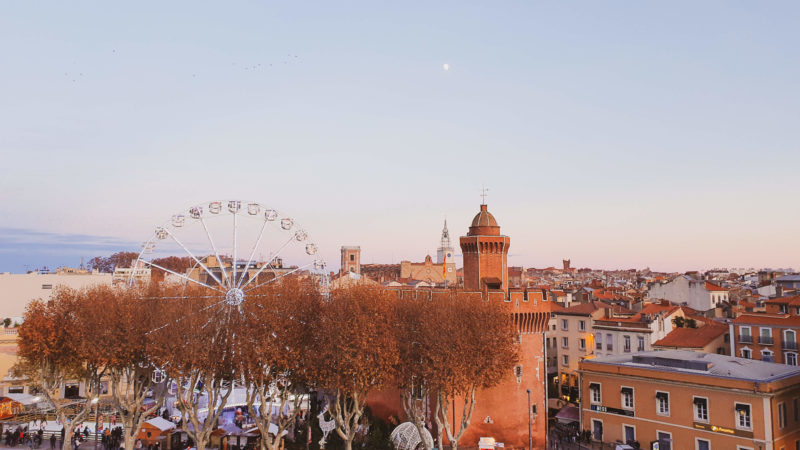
484,194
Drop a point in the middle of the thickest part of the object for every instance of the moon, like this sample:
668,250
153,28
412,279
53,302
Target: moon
446,66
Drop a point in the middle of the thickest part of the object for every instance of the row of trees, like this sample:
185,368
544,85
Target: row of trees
285,339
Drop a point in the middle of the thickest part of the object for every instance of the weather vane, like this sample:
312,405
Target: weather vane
484,194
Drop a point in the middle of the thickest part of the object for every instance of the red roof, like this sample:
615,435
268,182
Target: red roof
767,319
585,309
692,337
714,287
793,301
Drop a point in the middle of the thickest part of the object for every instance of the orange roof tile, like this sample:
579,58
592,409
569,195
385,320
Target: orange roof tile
767,319
714,287
692,337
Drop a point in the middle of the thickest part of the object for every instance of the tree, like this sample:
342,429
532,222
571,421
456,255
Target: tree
198,353
355,352
52,349
123,321
476,350
678,321
7,322
278,335
416,328
107,265
176,264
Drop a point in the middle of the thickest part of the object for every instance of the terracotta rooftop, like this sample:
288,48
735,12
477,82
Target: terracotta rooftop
585,309
714,287
692,337
793,301
767,319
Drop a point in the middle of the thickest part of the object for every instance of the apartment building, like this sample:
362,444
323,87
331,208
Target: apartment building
765,337
688,400
697,294
574,340
619,334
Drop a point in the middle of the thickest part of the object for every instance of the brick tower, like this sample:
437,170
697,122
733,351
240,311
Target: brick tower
351,260
485,254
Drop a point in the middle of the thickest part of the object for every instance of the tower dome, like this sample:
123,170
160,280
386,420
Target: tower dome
484,224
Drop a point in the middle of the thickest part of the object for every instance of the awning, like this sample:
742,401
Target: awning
568,414
627,390
699,401
594,386
662,395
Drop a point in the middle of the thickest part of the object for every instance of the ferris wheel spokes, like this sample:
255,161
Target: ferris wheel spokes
280,276
216,253
252,253
152,264
195,258
233,206
269,264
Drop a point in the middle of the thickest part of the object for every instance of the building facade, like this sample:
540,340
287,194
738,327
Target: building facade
688,400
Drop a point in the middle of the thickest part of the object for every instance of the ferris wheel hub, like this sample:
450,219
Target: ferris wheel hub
234,297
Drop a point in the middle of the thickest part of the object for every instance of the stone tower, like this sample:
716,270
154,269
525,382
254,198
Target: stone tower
485,254
445,247
351,260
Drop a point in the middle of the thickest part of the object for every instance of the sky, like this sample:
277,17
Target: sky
617,134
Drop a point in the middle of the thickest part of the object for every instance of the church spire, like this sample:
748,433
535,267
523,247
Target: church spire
445,247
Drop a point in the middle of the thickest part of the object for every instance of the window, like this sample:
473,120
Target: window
594,392
791,358
765,336
664,440
626,344
796,408
597,430
609,342
790,340
746,353
640,345
582,325
16,389
564,360
599,343
564,342
629,432
564,324
582,344
702,444
627,397
352,257
781,415
700,409
743,416
745,336
47,286
767,356
662,403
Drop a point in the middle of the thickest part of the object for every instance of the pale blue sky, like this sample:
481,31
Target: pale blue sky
620,134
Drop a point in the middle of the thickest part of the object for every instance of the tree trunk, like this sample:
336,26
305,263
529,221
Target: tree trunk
129,441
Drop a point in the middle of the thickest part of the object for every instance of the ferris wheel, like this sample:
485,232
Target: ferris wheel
231,248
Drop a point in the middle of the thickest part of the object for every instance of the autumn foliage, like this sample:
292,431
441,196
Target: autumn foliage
284,340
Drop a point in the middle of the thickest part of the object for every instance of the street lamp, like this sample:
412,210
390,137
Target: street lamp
530,438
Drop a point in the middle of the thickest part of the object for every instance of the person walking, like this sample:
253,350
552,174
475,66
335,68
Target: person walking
52,441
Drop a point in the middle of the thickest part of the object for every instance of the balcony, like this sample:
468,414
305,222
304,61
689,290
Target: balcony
765,340
768,358
789,345
746,339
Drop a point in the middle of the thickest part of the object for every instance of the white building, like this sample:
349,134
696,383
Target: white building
631,334
697,294
17,290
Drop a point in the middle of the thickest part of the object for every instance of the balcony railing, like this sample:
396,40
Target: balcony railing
765,340
789,345
746,338
768,358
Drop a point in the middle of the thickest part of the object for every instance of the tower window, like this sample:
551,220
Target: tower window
352,257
